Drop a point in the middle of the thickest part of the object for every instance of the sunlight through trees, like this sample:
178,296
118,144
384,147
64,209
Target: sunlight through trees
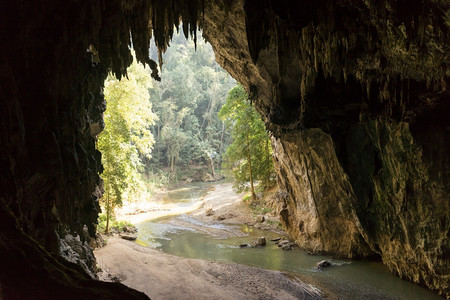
249,155
126,138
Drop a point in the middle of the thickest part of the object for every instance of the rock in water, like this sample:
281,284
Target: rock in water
285,244
261,241
322,264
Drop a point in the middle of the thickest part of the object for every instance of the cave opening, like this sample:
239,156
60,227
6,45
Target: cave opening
162,135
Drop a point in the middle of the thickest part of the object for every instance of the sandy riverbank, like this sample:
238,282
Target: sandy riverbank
220,197
164,276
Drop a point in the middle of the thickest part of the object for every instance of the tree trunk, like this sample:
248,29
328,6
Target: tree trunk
108,208
268,163
211,164
250,168
221,138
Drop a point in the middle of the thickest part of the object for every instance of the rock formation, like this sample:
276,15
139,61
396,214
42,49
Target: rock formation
356,97
354,92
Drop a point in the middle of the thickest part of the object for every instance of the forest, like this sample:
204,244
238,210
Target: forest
196,124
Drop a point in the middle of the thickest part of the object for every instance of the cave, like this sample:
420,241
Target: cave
354,93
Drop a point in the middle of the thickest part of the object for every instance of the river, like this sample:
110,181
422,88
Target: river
185,236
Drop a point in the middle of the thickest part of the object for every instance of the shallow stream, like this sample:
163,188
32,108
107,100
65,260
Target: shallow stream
345,279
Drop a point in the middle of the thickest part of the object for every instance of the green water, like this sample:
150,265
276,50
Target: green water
345,279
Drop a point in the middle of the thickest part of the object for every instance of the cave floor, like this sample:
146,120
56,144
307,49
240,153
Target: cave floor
164,276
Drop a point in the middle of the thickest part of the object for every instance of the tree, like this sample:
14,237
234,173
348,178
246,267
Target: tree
172,136
187,101
249,154
126,137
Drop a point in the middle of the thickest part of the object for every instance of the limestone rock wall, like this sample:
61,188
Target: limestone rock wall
402,204
54,58
319,209
382,203
357,109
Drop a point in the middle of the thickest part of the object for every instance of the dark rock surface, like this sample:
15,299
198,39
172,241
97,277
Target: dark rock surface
30,272
261,242
77,252
355,94
323,264
356,97
285,244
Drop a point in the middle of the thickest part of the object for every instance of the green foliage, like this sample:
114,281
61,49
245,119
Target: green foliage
259,208
126,138
157,178
102,221
249,155
187,100
247,198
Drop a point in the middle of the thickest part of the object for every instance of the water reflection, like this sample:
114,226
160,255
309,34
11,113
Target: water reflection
346,279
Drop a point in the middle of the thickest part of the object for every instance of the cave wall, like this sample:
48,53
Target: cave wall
355,95
54,58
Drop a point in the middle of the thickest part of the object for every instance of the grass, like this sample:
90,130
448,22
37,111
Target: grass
113,223
258,207
277,223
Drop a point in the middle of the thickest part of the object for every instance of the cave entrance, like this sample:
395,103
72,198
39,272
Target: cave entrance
162,136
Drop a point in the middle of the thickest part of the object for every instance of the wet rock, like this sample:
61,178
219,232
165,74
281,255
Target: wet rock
275,239
323,264
243,245
128,236
285,245
261,241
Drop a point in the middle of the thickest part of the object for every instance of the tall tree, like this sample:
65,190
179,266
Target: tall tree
187,101
127,136
249,154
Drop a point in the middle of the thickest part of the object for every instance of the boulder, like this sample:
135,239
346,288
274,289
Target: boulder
129,229
128,236
285,244
261,241
322,264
